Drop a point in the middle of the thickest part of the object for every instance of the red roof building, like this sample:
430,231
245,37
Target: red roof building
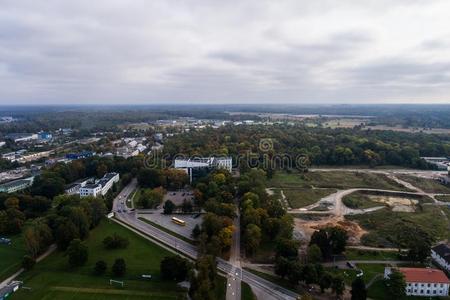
423,281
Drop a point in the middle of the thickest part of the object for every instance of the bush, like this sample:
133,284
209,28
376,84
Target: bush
100,267
119,267
28,262
115,242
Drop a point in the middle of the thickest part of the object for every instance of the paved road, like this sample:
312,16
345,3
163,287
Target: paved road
233,281
127,216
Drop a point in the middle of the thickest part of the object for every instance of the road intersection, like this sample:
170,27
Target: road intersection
231,268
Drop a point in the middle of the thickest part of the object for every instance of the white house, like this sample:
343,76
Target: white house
425,282
441,255
101,187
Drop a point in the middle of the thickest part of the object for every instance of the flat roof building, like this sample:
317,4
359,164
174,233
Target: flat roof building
16,185
101,187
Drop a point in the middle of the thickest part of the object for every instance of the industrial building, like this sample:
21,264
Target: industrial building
16,185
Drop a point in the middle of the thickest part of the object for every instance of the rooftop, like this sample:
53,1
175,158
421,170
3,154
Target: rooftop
425,275
443,251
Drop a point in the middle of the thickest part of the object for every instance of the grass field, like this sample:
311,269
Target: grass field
354,254
246,292
53,279
383,225
427,185
300,197
370,271
11,256
333,179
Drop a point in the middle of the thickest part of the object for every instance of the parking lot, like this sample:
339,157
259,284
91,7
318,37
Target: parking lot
177,197
166,221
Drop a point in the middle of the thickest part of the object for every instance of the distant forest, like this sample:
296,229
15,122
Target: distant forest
98,118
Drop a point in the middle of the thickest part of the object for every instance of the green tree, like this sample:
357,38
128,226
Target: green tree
338,286
314,254
77,253
168,207
359,291
395,285
252,238
325,281
174,268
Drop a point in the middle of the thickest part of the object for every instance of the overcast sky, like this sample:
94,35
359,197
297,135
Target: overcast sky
225,51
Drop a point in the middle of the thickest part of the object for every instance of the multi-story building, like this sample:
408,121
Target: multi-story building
74,187
188,165
101,187
441,255
16,185
425,282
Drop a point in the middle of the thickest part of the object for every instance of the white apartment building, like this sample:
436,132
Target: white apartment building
424,282
101,187
441,255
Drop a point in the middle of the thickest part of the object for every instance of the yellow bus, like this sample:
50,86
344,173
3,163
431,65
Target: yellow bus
178,221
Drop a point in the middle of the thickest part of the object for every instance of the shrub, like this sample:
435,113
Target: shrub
100,267
115,242
119,267
28,262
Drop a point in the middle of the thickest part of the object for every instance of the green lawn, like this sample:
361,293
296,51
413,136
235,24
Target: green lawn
265,253
427,185
383,225
246,292
370,271
355,254
333,179
275,279
53,279
301,197
11,256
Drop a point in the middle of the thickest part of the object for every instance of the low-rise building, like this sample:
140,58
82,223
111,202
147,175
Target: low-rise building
16,185
101,187
74,187
2,144
441,255
425,282
22,137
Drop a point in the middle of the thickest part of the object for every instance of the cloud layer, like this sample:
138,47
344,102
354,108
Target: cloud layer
247,51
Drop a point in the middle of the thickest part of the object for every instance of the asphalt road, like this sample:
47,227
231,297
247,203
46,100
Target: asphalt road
234,280
128,216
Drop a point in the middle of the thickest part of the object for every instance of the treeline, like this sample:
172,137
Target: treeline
322,146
